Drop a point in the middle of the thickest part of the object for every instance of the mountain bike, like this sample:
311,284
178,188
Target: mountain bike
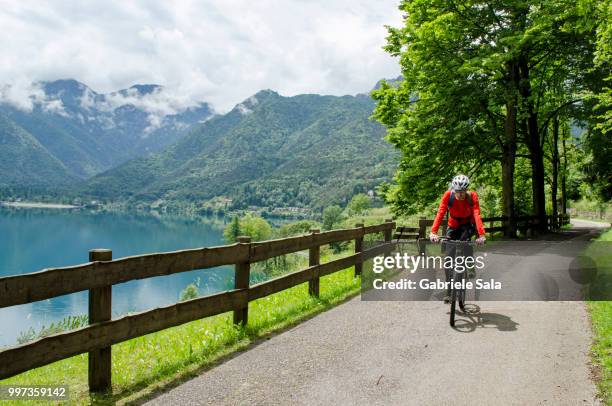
464,249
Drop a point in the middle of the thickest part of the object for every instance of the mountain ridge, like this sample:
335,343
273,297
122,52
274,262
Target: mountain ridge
92,132
269,150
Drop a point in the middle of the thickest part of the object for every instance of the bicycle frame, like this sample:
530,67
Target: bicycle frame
457,293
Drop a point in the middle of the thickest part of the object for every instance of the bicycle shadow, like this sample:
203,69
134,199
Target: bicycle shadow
472,318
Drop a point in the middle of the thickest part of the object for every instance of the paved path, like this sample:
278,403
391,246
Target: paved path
404,353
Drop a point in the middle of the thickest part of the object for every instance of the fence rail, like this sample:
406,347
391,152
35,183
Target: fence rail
524,223
101,273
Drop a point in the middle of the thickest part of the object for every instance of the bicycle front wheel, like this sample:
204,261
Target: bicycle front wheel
453,302
457,296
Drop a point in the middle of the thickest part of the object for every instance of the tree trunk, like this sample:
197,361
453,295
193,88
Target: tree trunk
509,153
564,177
555,171
535,149
508,158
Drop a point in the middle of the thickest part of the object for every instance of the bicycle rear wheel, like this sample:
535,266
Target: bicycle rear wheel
452,308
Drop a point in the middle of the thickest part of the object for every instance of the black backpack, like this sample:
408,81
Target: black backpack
468,196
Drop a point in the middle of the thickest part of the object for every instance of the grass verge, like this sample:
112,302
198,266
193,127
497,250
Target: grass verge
165,358
601,317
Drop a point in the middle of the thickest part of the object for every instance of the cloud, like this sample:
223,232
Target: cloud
160,102
216,51
25,95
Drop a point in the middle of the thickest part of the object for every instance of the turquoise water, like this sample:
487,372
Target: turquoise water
34,239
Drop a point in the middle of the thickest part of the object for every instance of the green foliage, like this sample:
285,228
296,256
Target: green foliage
490,201
255,227
232,231
446,115
358,204
597,166
599,13
332,216
481,80
295,228
191,291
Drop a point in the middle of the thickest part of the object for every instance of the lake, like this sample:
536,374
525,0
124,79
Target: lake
34,239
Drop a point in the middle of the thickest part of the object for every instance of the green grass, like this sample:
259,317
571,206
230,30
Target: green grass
150,362
601,316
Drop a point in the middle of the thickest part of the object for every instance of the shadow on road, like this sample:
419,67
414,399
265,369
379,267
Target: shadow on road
472,318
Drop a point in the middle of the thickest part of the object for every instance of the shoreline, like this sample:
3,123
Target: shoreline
36,205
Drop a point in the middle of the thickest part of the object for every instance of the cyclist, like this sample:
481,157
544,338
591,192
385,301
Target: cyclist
464,218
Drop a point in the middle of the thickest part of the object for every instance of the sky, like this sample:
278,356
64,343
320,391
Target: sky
217,51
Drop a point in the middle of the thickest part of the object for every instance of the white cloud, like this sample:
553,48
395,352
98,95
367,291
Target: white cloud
219,51
53,106
25,94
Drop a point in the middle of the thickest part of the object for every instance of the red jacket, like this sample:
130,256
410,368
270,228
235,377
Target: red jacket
459,209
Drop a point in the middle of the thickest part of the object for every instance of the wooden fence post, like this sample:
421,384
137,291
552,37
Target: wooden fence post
314,257
422,227
359,248
100,309
242,273
389,231
422,235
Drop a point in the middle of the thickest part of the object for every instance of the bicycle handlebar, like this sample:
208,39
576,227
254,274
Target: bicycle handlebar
457,242
449,241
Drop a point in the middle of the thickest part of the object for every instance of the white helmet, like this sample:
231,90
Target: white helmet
460,182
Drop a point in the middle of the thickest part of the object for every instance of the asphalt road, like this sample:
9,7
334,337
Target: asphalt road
405,353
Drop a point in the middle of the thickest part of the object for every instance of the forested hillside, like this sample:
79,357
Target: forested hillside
269,151
24,162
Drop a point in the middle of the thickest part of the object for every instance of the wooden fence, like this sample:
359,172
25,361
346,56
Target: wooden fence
102,272
524,223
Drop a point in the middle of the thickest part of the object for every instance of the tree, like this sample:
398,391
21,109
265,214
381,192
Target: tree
457,108
598,141
332,216
477,93
232,230
255,227
191,291
295,228
359,203
603,58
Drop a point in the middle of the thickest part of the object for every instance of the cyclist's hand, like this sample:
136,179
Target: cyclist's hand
434,237
481,240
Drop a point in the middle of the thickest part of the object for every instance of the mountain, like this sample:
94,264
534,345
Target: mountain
391,82
269,151
24,162
90,132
